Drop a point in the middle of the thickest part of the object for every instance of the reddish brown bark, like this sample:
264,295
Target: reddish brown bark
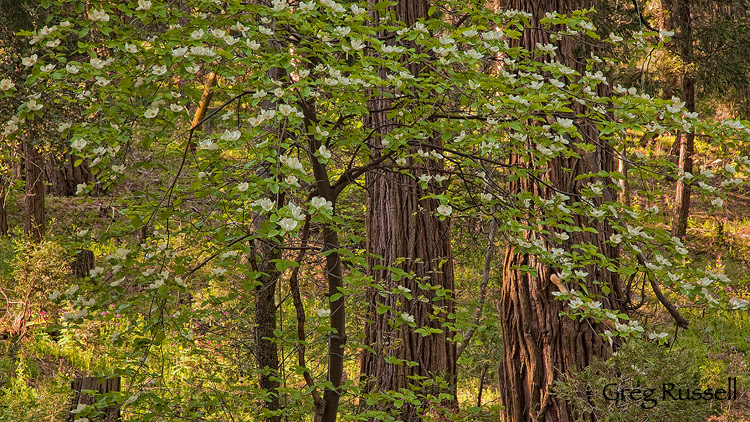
539,345
63,176
403,232
687,140
34,222
80,384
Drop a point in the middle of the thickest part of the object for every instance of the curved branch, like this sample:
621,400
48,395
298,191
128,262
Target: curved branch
299,308
681,321
482,291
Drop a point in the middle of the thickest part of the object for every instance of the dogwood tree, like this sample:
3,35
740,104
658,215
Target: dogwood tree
243,210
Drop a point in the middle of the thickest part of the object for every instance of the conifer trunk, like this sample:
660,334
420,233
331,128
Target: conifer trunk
268,253
404,231
34,223
63,176
687,139
540,345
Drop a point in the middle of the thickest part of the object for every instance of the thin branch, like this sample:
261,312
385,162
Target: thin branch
482,290
679,319
207,260
352,174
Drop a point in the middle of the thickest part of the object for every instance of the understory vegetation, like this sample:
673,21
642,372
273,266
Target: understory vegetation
374,211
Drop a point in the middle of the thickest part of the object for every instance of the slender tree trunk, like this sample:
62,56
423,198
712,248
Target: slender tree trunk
4,188
540,345
488,256
34,224
335,276
337,339
403,232
622,168
268,252
687,138
266,350
208,93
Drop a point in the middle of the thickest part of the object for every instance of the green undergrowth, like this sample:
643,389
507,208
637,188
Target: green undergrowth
715,348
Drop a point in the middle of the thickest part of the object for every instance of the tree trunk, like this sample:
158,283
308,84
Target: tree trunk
685,163
34,224
64,176
268,253
622,167
4,190
83,263
200,112
79,384
540,345
266,349
403,232
335,277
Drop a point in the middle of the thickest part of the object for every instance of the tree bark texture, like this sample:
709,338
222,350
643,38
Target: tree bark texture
110,413
687,139
267,252
34,223
404,232
64,176
83,263
539,345
266,349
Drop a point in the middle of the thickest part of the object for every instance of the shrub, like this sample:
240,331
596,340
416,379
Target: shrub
639,365
37,270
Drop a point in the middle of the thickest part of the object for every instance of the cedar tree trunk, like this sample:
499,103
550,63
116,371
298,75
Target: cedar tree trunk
266,349
540,345
268,252
404,232
685,163
34,224
64,176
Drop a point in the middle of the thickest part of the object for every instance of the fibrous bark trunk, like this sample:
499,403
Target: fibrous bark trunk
687,138
81,384
266,349
540,345
268,253
404,232
63,176
34,223
83,263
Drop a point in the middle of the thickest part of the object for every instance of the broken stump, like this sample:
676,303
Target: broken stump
78,385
